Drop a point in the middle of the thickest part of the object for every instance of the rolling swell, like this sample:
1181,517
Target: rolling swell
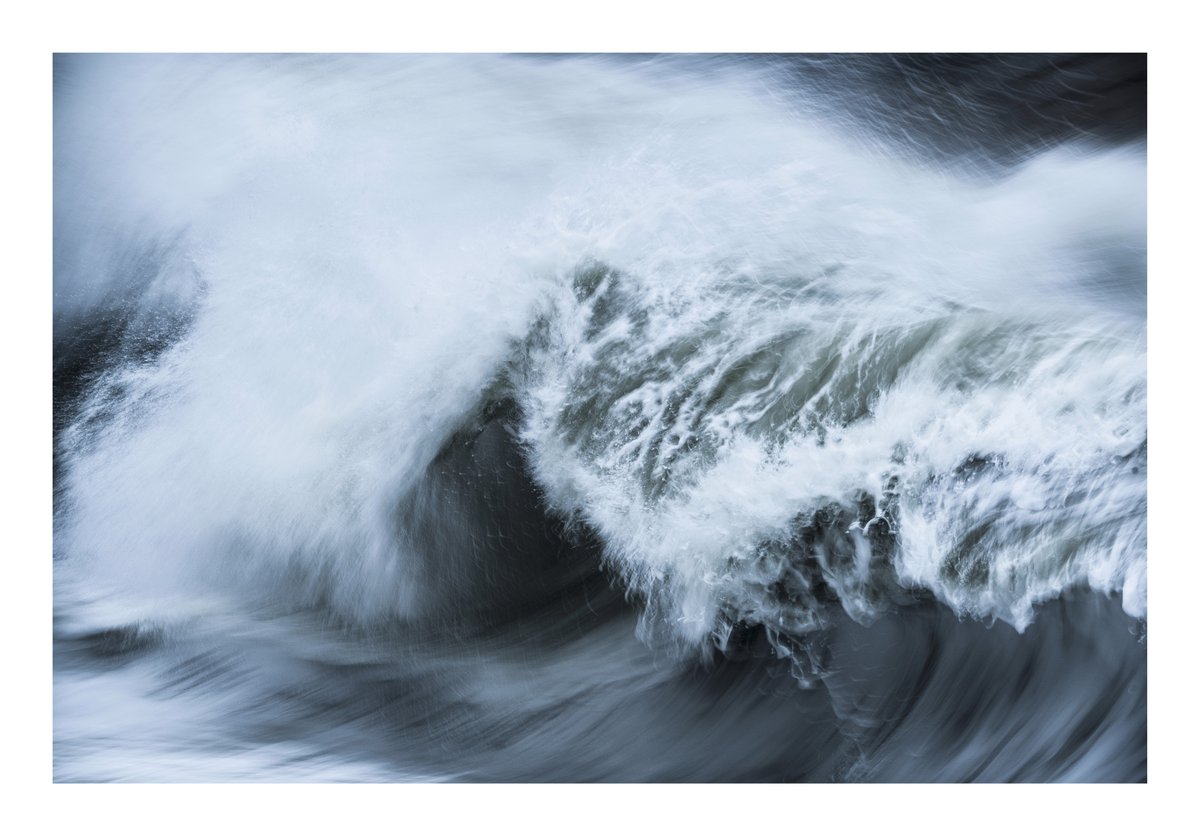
732,452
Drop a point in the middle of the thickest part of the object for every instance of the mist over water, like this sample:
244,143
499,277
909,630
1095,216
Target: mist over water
609,418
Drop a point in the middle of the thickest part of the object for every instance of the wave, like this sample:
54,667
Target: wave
426,341
939,404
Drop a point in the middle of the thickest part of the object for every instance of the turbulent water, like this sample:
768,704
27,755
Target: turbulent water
610,418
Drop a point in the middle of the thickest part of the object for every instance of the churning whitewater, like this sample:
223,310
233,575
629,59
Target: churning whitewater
599,418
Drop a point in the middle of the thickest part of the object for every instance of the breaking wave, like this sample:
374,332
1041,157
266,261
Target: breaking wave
434,344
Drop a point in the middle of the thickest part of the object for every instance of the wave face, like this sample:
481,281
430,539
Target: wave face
600,418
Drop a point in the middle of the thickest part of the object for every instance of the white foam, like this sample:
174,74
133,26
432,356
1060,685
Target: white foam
366,247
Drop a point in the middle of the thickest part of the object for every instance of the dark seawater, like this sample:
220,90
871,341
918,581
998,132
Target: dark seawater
600,418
